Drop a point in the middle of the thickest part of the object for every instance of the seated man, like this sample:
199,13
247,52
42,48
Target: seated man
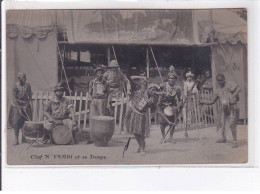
58,111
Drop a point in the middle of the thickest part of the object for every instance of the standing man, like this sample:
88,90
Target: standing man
98,91
228,94
58,111
168,104
207,85
20,109
116,81
189,106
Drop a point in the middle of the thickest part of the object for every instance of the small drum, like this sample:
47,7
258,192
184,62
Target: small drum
226,105
169,111
101,129
61,135
32,130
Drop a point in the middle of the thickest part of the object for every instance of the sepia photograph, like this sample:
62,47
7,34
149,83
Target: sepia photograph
126,86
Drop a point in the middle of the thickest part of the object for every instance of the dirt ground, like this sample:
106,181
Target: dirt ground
182,151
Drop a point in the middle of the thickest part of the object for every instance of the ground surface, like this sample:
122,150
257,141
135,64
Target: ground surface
193,151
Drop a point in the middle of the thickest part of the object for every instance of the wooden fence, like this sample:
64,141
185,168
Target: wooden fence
203,116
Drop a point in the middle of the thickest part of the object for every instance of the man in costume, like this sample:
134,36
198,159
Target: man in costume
98,91
168,104
228,94
189,107
136,117
116,81
20,109
58,111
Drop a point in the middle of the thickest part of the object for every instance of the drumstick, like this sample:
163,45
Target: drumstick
67,133
33,141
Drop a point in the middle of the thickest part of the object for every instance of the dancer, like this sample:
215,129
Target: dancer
136,119
228,94
168,104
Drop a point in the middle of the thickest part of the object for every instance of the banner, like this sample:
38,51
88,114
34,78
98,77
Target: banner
130,26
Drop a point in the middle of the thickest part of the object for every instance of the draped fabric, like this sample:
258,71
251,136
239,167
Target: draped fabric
231,60
228,26
130,26
31,48
174,27
35,57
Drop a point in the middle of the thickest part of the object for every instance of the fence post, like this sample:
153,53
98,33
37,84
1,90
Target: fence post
121,113
115,113
35,106
80,107
86,110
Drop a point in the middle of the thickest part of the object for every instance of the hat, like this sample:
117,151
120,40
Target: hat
172,75
58,87
189,74
113,63
168,111
98,69
153,86
172,68
220,76
20,74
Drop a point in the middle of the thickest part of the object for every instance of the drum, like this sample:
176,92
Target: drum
101,129
61,135
32,130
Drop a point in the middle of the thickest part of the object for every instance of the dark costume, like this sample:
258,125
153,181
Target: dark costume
136,119
171,97
20,112
168,100
229,110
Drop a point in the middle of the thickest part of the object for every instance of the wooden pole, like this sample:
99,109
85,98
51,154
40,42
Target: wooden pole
148,75
108,55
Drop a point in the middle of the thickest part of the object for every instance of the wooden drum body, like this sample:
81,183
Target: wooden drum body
61,135
101,129
33,130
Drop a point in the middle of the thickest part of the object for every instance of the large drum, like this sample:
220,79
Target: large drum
101,129
32,130
61,135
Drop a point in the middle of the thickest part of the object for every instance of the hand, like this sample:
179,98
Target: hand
201,102
50,120
171,123
74,123
128,92
108,106
20,111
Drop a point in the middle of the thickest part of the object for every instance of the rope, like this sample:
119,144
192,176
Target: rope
34,59
62,63
156,63
114,52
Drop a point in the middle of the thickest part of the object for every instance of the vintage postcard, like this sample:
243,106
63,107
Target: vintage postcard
126,86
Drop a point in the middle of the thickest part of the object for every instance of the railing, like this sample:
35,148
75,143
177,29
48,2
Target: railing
203,116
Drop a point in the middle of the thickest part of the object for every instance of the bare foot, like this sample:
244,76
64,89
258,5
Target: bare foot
16,143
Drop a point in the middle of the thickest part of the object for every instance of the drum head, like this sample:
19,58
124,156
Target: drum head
168,111
61,135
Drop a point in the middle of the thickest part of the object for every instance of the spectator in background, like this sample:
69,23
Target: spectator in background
207,85
98,92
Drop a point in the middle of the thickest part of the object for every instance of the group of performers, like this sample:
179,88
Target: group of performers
167,97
